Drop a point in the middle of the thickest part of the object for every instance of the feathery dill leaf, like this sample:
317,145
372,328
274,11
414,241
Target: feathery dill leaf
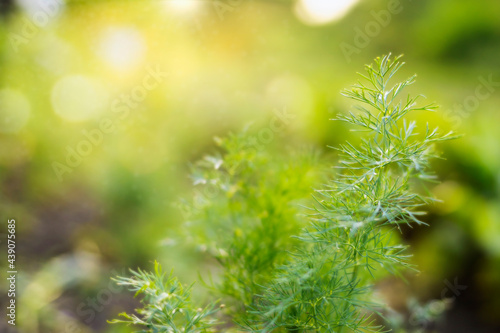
326,286
167,304
320,280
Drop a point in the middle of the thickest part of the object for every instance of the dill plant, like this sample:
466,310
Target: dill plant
245,213
168,305
320,280
326,286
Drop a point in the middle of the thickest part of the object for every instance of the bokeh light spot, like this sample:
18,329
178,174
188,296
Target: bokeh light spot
78,98
183,6
317,12
122,48
42,10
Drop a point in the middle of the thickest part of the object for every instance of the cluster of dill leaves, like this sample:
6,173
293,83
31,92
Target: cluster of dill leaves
283,271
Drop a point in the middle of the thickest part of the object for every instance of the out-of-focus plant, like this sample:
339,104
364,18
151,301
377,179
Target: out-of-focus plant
246,212
421,317
321,280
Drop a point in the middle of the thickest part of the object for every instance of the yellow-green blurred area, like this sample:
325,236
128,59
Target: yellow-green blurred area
103,105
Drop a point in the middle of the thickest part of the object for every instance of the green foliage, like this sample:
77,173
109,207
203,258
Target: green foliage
167,304
245,212
321,279
325,288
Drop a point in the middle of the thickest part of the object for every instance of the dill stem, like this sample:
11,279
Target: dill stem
354,276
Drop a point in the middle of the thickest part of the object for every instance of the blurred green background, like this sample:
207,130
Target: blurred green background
103,105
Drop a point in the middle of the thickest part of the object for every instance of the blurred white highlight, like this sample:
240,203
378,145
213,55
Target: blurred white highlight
317,12
42,11
183,6
122,48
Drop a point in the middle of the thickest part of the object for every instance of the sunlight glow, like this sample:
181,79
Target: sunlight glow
122,48
183,6
42,11
317,12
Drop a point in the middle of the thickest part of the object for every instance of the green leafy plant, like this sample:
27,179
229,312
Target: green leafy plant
320,280
246,212
167,304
